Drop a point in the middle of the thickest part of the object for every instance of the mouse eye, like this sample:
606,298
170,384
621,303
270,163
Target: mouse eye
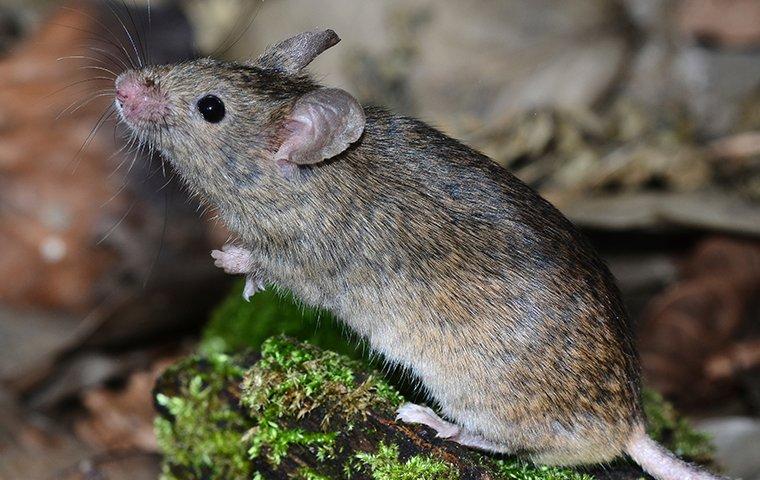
212,108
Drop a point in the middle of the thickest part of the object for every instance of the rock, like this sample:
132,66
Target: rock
579,152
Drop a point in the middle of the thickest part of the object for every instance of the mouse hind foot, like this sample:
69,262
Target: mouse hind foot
572,450
412,413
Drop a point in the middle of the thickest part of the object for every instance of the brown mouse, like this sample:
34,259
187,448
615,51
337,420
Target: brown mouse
445,262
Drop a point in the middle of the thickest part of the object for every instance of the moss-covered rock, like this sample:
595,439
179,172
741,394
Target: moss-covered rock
298,411
317,408
199,427
302,412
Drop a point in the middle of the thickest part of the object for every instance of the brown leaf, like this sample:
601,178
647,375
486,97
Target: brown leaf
692,327
734,23
120,420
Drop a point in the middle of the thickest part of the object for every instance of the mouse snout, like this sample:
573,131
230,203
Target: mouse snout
125,89
138,98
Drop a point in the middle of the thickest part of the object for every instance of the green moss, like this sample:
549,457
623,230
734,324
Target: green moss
514,469
237,325
309,474
275,440
386,465
675,432
199,433
293,379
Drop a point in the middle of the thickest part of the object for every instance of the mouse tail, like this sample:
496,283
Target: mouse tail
661,463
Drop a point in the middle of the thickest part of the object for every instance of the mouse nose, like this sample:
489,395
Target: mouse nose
121,94
127,87
138,98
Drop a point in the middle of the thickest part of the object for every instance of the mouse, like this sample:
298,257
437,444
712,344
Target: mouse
443,261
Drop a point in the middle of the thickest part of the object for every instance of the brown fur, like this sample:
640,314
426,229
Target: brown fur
446,263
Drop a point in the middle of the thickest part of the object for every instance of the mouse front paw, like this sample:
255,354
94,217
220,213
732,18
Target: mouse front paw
233,259
239,261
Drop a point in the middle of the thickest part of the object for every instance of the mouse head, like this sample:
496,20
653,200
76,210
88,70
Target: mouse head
224,123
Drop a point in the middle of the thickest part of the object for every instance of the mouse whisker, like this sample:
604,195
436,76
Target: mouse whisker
106,57
159,169
161,242
148,35
136,30
150,151
116,225
115,14
138,153
145,37
91,61
156,152
95,38
251,12
108,113
74,84
110,55
81,57
135,154
116,153
102,69
132,143
166,184
150,172
82,103
118,192
117,56
99,37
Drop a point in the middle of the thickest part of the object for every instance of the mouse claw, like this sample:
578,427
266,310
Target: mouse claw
253,284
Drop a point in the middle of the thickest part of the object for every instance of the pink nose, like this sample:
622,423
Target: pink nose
138,98
127,88
122,95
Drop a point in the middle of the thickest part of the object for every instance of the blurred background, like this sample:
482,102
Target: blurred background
639,119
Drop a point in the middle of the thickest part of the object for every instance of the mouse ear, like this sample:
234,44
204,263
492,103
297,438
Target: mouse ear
323,124
293,54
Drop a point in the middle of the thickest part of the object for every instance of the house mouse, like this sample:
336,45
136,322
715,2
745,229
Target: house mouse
442,260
